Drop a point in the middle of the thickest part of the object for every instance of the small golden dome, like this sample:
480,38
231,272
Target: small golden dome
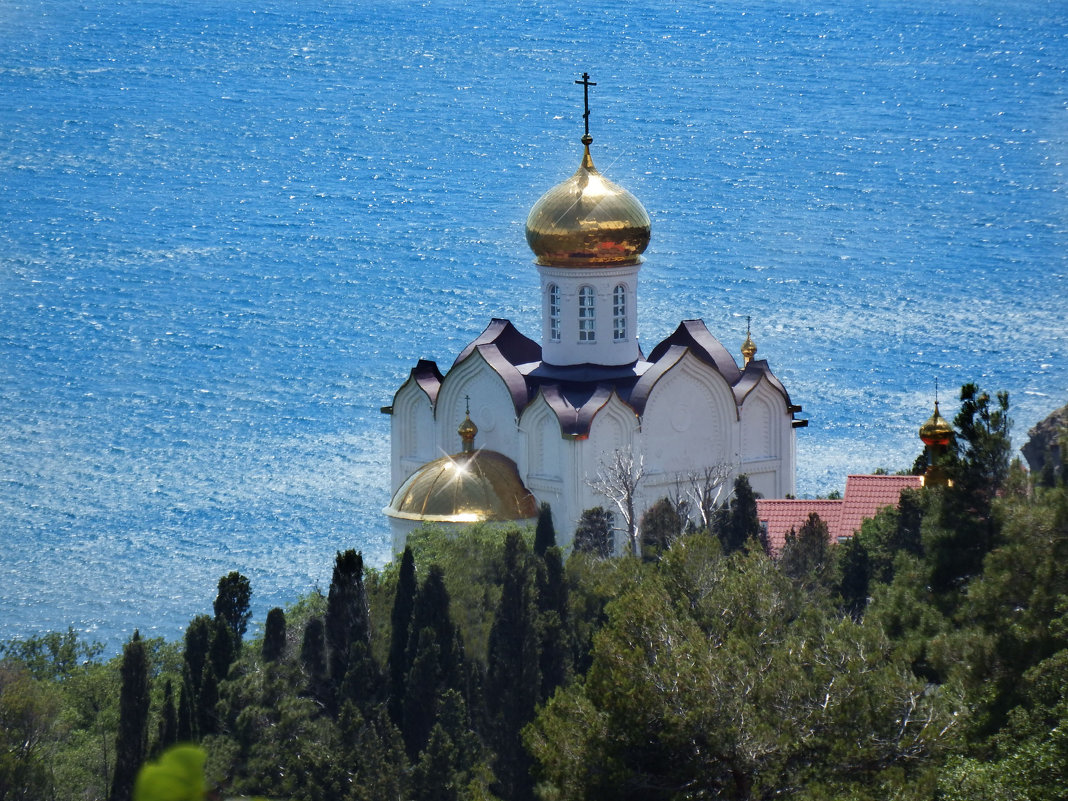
467,431
749,348
468,487
936,431
588,221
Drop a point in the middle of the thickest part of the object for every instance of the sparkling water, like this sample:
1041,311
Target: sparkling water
229,229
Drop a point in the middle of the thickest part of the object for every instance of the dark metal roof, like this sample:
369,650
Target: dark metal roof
576,393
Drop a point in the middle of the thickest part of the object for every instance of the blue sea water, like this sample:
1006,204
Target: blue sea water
229,229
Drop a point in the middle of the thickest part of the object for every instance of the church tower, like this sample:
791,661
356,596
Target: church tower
588,235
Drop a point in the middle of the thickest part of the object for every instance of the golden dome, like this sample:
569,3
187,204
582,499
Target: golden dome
936,431
588,221
468,487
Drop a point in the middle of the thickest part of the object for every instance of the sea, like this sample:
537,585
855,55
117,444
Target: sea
228,230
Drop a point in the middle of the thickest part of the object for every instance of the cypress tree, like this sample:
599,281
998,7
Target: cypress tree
545,532
435,658
313,658
347,620
274,636
167,732
553,613
661,525
513,682
131,745
232,605
805,553
186,732
401,620
737,525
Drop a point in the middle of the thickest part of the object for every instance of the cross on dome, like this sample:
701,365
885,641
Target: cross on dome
586,84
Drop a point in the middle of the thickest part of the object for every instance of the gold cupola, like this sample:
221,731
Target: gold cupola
936,434
472,486
588,221
749,347
936,431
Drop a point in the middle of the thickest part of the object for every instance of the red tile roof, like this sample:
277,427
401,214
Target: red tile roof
864,497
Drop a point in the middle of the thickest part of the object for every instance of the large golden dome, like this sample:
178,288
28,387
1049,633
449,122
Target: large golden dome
468,487
588,221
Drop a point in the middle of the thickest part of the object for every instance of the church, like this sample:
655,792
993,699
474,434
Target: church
515,422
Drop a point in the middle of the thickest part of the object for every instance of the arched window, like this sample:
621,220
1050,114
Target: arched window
587,321
554,313
619,313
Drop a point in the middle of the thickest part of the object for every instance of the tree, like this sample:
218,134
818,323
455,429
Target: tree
854,576
232,604
661,525
704,488
718,677
618,479
553,619
513,682
167,730
400,632
805,556
347,622
737,524
313,660
27,713
131,747
594,533
544,532
274,635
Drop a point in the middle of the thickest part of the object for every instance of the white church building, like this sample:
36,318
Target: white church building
539,419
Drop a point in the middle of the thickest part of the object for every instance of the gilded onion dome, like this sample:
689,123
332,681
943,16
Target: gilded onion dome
468,487
936,431
588,221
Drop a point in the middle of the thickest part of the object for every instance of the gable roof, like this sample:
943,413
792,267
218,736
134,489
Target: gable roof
576,393
864,497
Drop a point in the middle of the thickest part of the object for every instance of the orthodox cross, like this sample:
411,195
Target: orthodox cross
586,84
747,317
467,400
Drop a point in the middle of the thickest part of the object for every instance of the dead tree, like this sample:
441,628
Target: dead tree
618,479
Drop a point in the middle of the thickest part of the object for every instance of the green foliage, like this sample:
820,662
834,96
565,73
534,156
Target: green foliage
593,535
232,604
751,687
544,531
660,526
736,523
132,744
51,656
274,635
806,556
28,710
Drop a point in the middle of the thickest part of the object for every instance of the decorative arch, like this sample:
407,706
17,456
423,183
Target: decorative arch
492,409
690,419
539,430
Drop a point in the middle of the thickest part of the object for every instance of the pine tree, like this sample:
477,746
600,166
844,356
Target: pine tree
855,570
513,682
232,604
805,555
274,635
594,533
131,746
401,620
